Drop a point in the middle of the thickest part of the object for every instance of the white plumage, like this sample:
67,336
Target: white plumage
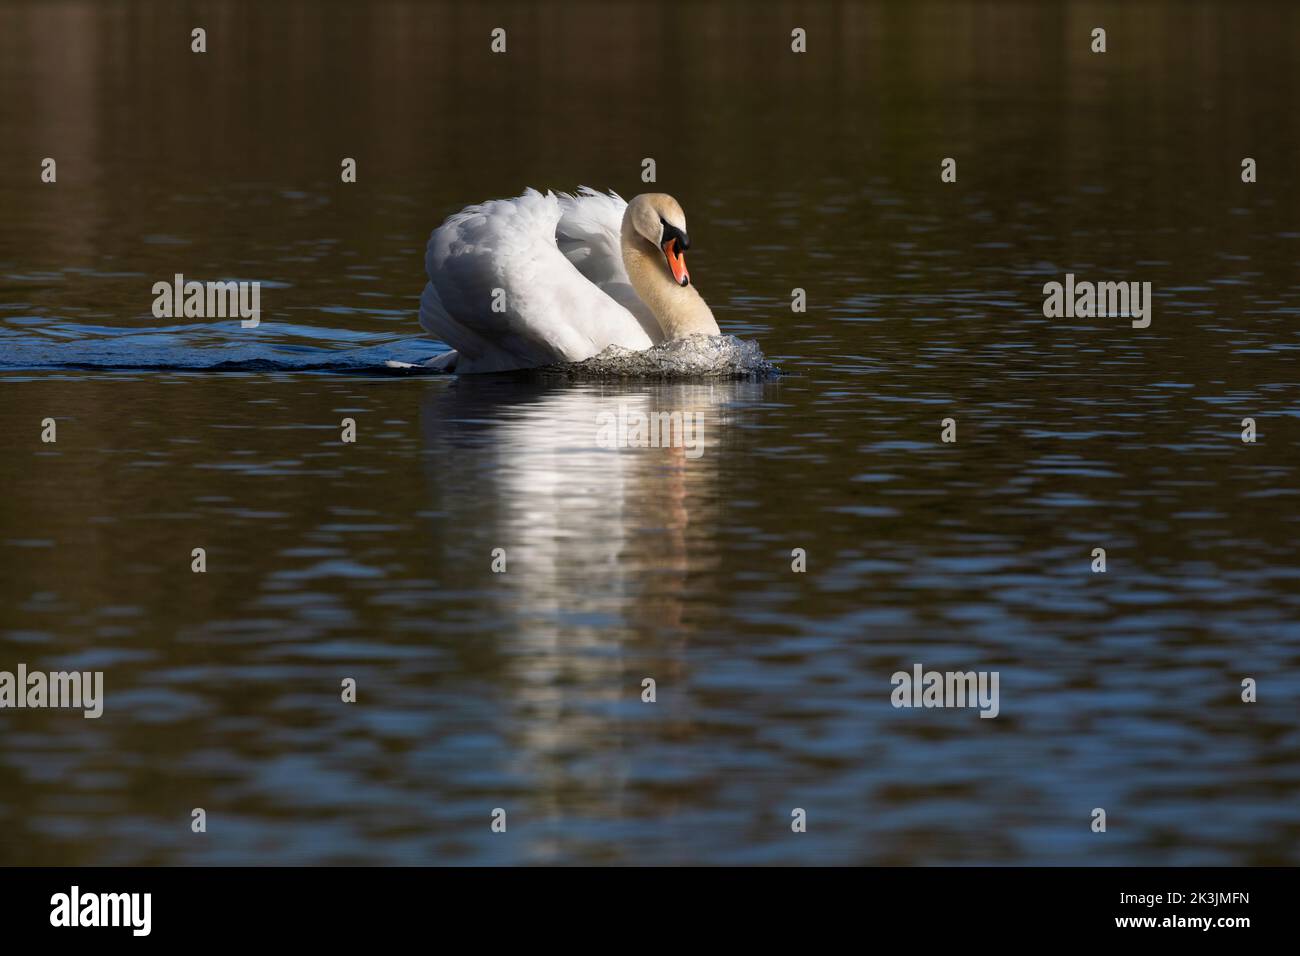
531,281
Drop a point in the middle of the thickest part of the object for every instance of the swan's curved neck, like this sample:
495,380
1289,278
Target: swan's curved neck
680,309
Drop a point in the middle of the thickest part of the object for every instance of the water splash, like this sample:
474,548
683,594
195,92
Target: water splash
697,356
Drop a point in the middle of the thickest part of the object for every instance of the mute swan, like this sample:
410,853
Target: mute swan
543,279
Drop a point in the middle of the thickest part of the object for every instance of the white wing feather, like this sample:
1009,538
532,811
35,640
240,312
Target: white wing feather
589,236
505,253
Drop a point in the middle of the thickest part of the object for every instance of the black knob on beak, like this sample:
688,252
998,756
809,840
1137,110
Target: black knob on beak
672,232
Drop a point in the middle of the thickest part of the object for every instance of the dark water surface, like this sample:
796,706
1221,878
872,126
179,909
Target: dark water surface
522,690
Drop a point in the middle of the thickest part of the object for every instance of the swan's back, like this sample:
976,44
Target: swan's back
504,295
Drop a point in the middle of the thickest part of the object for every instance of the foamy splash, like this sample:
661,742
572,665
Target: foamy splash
697,356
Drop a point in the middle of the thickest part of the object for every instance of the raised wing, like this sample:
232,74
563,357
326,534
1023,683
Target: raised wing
504,296
588,234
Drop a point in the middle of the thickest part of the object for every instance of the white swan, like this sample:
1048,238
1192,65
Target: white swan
544,279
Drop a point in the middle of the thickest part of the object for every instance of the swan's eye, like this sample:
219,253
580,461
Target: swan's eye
671,233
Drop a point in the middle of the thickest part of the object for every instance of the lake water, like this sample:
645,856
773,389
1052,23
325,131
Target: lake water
522,690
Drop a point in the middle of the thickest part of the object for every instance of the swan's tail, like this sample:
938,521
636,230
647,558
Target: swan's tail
435,320
446,362
433,315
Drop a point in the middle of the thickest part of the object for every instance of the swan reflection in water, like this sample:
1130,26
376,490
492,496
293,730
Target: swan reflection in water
611,557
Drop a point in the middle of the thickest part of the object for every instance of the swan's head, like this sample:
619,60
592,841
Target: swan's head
658,218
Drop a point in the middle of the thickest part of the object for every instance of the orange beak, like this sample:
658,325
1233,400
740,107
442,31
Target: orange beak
677,261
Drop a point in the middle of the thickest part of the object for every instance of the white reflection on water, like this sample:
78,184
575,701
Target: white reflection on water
603,546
